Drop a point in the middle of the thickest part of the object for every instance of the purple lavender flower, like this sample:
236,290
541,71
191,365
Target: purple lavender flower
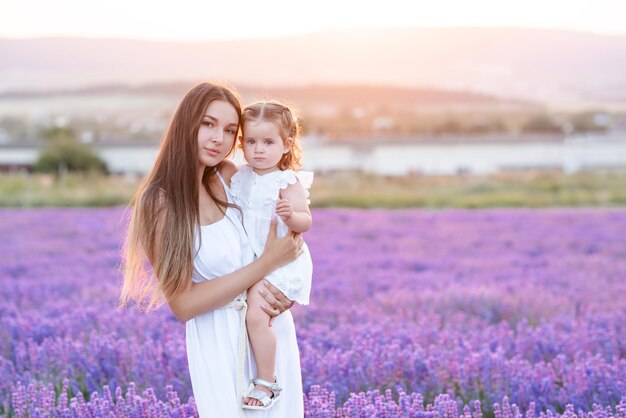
414,313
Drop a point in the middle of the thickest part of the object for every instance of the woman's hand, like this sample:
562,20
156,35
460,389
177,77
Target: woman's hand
281,251
277,303
208,295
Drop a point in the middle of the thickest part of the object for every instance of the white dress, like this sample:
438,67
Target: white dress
256,195
213,338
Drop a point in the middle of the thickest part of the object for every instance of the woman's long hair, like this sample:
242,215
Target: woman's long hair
159,249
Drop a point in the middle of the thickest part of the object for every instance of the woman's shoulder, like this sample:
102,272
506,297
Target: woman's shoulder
227,170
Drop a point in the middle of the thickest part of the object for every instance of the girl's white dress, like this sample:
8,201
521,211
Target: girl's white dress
256,195
213,338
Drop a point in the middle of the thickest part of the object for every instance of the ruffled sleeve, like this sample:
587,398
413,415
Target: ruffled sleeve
290,177
305,178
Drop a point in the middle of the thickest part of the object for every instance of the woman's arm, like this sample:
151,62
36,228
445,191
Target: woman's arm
206,296
293,208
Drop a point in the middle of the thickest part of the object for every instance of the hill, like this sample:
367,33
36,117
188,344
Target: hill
535,64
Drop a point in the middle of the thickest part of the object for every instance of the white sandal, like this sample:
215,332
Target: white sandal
259,395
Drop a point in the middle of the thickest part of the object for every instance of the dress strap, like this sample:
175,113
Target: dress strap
219,175
227,190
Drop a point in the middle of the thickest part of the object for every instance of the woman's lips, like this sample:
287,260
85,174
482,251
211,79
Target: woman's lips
212,152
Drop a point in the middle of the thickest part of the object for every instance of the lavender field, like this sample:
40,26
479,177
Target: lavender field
454,313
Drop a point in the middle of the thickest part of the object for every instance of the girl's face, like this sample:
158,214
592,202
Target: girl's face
217,133
263,146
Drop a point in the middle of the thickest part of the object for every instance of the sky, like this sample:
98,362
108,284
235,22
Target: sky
206,20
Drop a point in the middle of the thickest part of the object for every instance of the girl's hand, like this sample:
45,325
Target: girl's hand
277,303
284,209
281,251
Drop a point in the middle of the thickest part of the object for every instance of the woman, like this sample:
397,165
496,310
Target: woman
185,225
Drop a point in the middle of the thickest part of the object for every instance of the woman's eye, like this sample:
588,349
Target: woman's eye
230,132
207,123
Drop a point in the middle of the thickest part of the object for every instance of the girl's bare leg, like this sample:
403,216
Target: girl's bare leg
262,340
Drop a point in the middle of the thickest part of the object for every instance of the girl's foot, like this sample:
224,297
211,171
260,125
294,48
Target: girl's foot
261,394
256,402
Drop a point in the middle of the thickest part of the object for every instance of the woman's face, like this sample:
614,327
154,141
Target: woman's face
217,132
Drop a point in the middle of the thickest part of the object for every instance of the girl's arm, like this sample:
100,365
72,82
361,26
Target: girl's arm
198,298
293,208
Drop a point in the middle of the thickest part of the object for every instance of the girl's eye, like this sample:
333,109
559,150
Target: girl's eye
250,141
268,142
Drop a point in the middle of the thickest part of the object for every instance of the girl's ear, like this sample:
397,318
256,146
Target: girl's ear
287,143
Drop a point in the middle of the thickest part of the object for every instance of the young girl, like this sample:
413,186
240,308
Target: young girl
265,188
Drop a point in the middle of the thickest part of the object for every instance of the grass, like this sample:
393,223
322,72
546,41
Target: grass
528,189
71,190
350,189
